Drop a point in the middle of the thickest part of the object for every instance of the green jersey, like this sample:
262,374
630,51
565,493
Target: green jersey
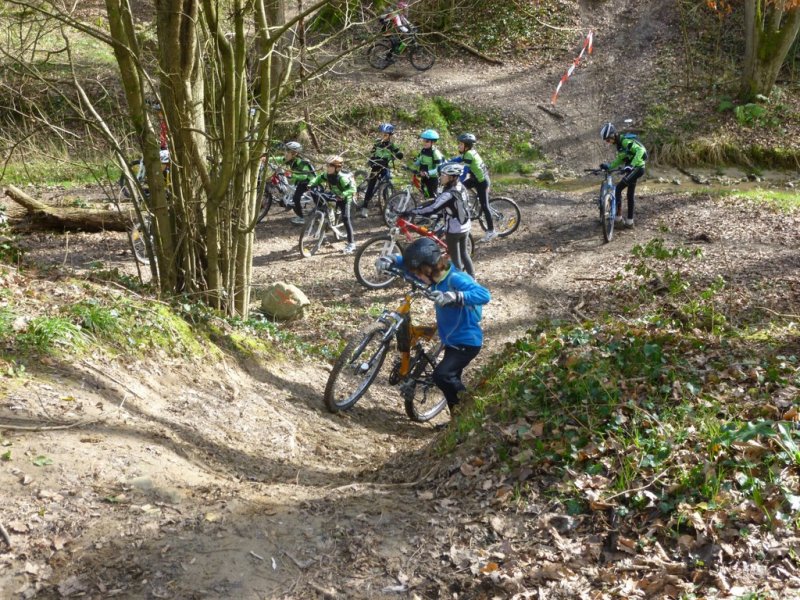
340,184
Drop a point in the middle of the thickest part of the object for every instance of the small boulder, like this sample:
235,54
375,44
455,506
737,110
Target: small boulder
283,301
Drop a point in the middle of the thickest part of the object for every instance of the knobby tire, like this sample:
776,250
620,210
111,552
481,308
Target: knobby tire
607,210
380,54
427,400
313,234
421,58
356,368
364,264
505,215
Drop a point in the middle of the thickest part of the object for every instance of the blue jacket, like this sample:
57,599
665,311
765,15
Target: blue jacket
459,325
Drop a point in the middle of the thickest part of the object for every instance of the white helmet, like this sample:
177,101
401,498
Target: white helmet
163,155
608,131
454,169
293,147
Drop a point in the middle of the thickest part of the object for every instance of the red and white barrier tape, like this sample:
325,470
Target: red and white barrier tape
587,49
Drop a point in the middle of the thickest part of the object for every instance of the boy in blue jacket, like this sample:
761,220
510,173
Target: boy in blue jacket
459,305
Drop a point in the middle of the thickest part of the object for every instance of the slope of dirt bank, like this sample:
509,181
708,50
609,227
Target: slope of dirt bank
209,481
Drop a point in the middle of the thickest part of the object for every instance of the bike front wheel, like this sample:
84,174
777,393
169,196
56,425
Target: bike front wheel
356,368
140,235
313,234
266,204
366,256
607,207
505,216
398,203
380,55
421,58
423,400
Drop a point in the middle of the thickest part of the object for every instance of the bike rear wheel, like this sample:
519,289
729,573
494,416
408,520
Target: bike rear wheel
398,203
607,206
505,216
421,58
367,254
362,181
423,400
356,368
380,55
313,235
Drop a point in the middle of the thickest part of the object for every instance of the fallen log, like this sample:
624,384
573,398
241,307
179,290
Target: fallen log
44,216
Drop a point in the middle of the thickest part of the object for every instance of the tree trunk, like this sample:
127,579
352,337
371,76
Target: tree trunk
44,216
770,31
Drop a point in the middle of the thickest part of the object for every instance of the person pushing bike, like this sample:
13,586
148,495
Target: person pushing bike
459,307
633,154
383,152
452,203
343,187
428,161
476,175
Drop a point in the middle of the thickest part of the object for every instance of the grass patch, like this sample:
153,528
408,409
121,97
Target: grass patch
786,201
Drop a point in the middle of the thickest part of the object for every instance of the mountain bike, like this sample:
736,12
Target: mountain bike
381,54
278,189
505,213
606,201
384,188
404,200
419,351
138,171
393,242
323,219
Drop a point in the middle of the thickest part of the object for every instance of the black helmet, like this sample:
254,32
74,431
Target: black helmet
467,139
423,251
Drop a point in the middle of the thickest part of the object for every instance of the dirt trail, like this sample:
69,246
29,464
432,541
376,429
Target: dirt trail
222,483
226,484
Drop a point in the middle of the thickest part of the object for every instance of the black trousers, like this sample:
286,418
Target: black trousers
629,181
447,374
302,187
482,188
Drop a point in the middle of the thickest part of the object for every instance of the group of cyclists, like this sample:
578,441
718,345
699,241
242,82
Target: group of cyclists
458,296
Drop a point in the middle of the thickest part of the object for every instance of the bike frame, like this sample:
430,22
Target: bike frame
407,228
405,332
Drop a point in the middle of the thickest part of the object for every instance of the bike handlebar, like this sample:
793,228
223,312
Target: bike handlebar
598,171
417,285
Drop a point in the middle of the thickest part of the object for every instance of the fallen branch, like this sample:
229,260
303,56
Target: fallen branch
777,314
51,427
325,593
44,216
301,565
474,51
638,489
5,535
410,484
551,112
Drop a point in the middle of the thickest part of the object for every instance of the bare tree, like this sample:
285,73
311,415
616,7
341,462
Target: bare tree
221,72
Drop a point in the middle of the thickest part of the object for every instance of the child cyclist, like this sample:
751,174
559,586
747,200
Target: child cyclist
452,202
302,172
631,152
459,304
476,175
343,187
428,161
384,151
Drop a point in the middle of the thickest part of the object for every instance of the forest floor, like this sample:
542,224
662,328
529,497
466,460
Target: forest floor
213,480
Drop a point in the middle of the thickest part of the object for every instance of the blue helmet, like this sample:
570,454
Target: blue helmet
430,134
386,128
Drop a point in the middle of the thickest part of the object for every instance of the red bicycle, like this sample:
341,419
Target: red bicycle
392,242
